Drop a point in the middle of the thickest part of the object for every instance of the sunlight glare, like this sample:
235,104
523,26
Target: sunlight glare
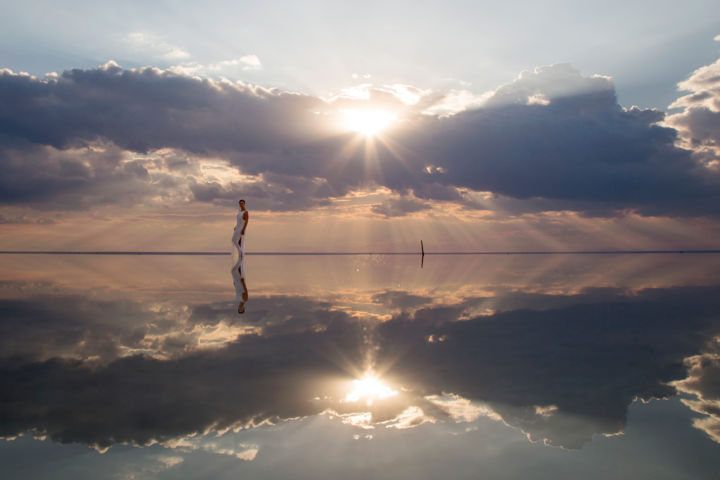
369,388
368,122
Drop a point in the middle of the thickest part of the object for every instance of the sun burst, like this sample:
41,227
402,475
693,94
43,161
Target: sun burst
369,388
368,122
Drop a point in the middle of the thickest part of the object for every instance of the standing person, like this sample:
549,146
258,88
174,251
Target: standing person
239,234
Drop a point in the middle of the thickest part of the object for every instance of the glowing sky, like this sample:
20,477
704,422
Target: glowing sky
360,127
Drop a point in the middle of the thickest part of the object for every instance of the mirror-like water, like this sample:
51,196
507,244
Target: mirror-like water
360,366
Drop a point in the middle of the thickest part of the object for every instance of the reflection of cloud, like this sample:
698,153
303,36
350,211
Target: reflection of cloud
400,299
155,465
587,360
703,381
560,374
42,327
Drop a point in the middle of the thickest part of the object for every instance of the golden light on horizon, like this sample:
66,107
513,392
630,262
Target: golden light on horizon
368,122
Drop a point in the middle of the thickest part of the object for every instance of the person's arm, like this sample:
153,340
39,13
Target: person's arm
246,217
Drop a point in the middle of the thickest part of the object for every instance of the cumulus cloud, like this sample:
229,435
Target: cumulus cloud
580,150
699,120
551,139
77,178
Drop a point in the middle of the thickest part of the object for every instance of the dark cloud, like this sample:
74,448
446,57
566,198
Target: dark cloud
583,152
54,179
562,373
399,207
24,220
551,138
400,299
147,109
274,192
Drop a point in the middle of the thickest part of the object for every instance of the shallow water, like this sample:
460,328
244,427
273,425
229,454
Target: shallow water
363,366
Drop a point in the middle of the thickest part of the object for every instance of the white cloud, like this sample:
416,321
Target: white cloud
251,62
244,63
698,123
154,45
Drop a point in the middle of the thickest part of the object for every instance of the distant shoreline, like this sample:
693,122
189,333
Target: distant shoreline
567,252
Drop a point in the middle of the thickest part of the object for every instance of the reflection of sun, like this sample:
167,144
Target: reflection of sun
369,388
368,122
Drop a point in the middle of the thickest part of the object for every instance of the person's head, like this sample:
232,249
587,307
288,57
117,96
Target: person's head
242,204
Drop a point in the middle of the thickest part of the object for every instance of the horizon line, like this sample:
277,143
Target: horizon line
215,253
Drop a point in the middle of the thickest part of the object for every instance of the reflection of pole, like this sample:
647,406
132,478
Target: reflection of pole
422,254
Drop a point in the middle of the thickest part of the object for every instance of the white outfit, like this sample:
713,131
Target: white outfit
237,238
238,274
238,270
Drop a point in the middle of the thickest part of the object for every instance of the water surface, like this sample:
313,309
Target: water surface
360,366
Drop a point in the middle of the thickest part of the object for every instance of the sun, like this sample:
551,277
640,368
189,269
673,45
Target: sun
368,122
369,388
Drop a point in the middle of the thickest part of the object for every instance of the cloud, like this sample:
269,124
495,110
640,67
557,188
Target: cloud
24,220
244,63
580,150
552,140
78,178
152,44
250,62
699,120
399,207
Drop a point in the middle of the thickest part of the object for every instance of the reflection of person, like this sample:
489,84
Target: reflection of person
241,291
239,234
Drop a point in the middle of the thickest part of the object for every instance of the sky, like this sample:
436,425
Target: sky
360,126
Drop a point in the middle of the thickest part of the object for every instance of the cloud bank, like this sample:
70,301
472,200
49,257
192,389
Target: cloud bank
551,140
